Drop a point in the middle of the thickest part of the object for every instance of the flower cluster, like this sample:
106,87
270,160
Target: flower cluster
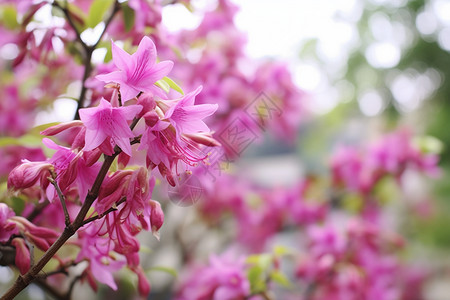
171,134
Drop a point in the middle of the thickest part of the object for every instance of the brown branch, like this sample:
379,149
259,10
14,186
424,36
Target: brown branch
37,210
72,285
61,197
103,214
66,12
87,62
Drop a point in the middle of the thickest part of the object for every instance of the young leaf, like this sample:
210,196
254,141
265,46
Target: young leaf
164,85
280,278
255,276
170,271
173,85
97,11
128,17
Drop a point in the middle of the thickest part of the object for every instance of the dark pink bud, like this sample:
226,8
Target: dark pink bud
91,157
123,159
148,103
156,217
203,138
143,283
151,118
61,127
39,242
22,255
27,174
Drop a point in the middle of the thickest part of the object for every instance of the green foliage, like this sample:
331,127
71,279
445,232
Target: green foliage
128,17
263,270
173,85
167,270
8,16
97,12
166,84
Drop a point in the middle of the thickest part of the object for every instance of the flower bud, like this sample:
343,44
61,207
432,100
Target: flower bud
143,283
156,217
27,174
204,138
61,127
22,255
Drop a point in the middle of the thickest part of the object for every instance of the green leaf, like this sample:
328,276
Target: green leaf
255,276
17,204
280,250
97,11
128,17
108,56
26,140
9,17
173,85
429,144
170,271
37,129
280,278
261,260
164,85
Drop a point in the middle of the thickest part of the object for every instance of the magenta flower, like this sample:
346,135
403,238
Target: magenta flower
105,121
138,71
187,117
8,227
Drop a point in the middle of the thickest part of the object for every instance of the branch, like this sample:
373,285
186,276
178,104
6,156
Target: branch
103,214
37,210
72,285
66,12
61,197
87,62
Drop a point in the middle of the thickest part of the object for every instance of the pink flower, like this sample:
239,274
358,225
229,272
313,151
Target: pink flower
223,279
7,226
105,121
22,255
187,117
139,71
27,174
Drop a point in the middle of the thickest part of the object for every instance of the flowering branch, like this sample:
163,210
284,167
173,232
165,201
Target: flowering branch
23,281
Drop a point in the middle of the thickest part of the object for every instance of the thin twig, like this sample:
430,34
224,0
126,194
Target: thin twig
61,197
50,289
37,210
72,285
66,12
103,214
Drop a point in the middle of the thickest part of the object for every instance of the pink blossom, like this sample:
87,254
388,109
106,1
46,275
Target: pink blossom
105,121
8,227
27,174
224,278
22,259
139,71
187,117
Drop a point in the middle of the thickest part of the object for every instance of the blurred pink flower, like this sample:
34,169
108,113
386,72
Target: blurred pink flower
137,72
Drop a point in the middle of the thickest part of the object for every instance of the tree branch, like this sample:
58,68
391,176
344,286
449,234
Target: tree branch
102,215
